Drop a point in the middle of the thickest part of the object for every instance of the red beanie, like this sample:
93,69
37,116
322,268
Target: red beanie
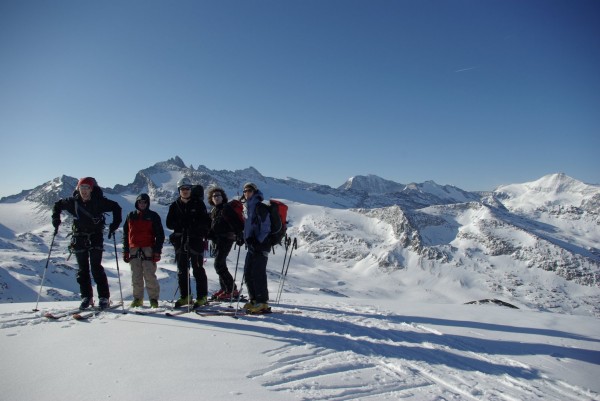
87,181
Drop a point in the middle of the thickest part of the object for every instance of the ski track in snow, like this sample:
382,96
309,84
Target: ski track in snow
346,362
337,352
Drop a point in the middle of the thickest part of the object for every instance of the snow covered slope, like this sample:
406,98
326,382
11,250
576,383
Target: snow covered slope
531,244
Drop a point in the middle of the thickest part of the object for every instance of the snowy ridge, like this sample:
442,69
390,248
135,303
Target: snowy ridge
554,190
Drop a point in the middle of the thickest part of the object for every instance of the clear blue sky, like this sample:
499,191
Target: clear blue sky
468,93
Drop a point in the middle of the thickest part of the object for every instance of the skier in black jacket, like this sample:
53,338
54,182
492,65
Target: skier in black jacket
222,235
88,205
189,220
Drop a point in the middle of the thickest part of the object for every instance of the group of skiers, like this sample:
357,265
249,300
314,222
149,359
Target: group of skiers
143,238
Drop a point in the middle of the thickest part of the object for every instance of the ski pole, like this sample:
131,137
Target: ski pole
189,284
44,275
175,293
294,246
237,306
235,276
286,243
119,273
177,256
189,266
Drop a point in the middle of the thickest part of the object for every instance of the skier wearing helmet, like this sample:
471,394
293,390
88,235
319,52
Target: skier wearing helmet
189,220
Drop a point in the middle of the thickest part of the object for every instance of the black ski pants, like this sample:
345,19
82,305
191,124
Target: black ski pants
223,247
255,273
88,249
195,258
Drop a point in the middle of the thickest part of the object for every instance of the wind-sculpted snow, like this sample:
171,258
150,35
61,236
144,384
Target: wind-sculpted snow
331,348
349,353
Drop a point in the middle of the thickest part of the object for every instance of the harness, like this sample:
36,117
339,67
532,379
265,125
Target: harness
184,246
87,243
140,255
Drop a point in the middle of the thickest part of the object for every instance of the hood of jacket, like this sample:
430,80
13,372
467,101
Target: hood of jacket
142,197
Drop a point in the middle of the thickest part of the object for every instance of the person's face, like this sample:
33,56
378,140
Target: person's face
142,204
185,192
248,192
217,198
85,191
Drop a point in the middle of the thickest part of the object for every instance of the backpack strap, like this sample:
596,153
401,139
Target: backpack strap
95,220
264,210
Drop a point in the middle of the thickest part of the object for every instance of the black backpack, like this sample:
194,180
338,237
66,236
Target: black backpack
197,192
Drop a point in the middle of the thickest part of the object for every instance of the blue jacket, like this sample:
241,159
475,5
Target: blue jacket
258,222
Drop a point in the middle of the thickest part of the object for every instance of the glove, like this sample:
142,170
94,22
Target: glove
156,257
55,223
126,257
239,240
111,230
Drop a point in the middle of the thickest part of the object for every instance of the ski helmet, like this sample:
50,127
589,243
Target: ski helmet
184,182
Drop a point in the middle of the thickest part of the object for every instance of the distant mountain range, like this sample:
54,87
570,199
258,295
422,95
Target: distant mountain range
501,236
360,191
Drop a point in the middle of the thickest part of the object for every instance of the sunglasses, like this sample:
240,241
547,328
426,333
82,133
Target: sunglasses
248,191
217,196
185,188
84,186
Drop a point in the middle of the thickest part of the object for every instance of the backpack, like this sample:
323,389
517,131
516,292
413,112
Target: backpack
197,192
278,214
233,214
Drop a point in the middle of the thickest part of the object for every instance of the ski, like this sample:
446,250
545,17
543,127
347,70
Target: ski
84,315
146,311
178,312
243,313
60,314
87,314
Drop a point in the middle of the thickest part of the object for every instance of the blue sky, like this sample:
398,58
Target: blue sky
468,93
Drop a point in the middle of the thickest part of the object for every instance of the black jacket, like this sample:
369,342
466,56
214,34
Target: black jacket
219,226
88,216
189,218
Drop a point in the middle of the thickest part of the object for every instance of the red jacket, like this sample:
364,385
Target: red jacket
142,229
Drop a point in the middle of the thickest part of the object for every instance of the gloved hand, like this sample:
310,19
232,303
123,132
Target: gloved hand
155,257
111,230
126,257
239,239
55,223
